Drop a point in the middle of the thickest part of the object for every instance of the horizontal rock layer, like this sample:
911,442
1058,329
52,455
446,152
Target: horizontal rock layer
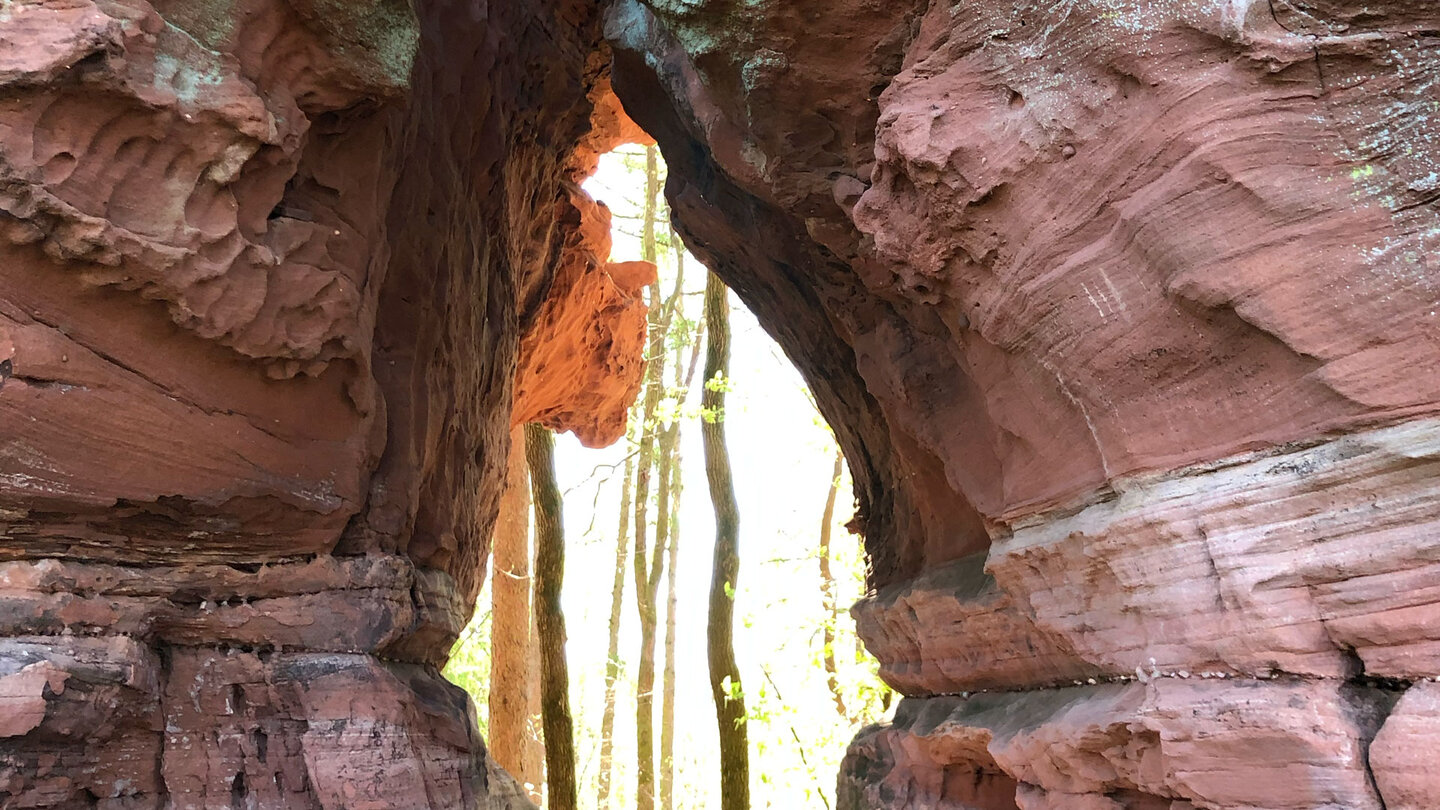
363,604
87,720
1168,744
1321,560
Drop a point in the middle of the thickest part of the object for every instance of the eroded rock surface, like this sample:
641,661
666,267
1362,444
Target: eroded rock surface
582,356
1170,743
265,271
1124,312
1120,311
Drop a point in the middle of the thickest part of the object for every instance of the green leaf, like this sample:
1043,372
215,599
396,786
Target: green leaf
719,384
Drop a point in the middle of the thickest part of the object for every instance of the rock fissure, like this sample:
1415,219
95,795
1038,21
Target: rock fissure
1372,707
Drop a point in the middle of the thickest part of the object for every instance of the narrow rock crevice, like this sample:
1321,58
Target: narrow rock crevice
1369,706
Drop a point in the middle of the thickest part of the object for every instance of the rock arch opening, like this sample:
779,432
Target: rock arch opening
1119,315
808,684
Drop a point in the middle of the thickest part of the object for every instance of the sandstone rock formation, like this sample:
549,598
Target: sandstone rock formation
1124,312
265,268
1125,315
582,356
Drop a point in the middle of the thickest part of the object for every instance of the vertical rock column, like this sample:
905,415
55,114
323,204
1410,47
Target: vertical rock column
264,268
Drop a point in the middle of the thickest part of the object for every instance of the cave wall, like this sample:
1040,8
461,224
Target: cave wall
265,272
1122,310
1124,313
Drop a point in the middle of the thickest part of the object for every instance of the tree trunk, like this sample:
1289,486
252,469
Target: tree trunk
670,494
827,588
550,620
612,660
725,685
647,575
683,381
512,681
534,734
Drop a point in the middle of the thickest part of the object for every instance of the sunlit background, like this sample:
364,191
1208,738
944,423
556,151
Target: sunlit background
782,456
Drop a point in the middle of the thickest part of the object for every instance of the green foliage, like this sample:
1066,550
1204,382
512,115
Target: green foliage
672,409
682,334
469,664
719,384
733,689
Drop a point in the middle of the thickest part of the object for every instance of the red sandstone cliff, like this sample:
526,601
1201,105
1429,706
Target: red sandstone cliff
1124,313
265,270
582,354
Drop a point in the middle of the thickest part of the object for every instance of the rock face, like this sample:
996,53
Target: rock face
1124,313
582,357
1119,311
265,272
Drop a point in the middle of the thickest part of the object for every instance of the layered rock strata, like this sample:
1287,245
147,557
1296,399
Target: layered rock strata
1124,314
1169,744
265,272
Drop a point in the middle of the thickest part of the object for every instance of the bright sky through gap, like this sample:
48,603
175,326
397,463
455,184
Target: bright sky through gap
782,457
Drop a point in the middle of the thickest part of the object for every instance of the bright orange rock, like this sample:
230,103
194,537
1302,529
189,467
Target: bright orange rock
582,356
582,360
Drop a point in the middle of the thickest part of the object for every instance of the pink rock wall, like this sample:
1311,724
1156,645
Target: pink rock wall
1124,314
263,278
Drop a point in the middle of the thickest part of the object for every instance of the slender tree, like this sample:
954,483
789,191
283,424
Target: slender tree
664,464
649,560
612,660
683,381
512,680
667,705
550,620
725,685
534,732
827,589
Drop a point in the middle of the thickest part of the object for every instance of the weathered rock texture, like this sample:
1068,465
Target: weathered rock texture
265,272
582,357
1124,311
